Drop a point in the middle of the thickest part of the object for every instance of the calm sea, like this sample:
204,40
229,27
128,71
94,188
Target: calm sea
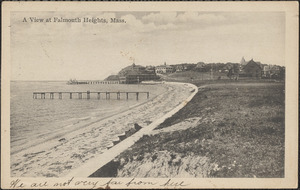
36,119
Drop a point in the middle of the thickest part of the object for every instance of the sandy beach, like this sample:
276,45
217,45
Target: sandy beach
60,155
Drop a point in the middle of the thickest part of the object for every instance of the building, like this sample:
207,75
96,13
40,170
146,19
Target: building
135,74
133,67
164,69
271,71
200,67
150,69
138,78
252,69
122,80
184,67
178,68
243,61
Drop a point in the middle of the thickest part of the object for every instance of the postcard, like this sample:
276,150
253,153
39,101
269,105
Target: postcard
149,95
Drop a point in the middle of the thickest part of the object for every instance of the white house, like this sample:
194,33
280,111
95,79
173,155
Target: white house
164,69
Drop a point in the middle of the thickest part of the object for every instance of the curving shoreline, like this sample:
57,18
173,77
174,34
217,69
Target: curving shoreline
89,168
82,123
212,137
57,158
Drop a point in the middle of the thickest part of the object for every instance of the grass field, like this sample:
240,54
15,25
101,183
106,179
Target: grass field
240,133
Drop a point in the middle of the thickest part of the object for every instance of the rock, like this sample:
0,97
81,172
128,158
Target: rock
137,126
63,139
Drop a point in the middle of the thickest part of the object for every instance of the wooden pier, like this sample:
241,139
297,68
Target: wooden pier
51,95
75,82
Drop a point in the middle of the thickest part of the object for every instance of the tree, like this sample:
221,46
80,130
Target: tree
230,73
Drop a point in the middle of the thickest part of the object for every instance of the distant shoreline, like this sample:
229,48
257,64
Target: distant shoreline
38,80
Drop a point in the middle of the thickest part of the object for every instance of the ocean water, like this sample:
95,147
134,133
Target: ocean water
42,119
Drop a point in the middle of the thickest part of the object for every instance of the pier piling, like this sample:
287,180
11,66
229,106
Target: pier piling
43,95
88,94
107,95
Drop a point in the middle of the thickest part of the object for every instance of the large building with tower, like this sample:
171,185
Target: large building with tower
136,74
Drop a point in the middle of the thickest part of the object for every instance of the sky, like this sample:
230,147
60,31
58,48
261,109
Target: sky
65,50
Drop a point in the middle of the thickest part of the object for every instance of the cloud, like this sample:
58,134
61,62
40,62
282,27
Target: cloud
185,18
160,18
137,26
196,17
148,37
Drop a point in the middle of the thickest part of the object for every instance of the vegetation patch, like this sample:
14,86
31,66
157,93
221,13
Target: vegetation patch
241,134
